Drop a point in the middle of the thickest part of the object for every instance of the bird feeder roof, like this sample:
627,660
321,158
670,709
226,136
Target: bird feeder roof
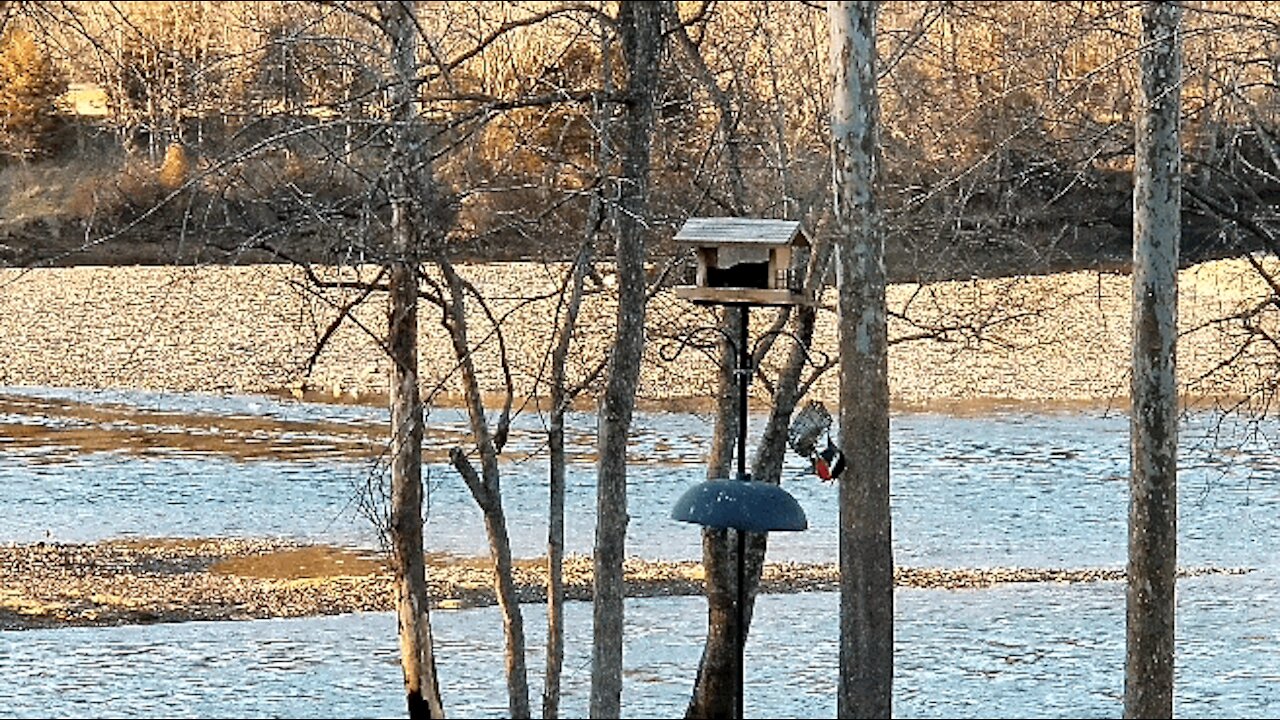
704,231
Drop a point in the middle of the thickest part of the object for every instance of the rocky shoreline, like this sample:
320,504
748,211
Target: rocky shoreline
254,329
118,582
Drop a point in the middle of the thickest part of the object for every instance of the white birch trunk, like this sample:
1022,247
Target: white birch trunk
1153,508
866,553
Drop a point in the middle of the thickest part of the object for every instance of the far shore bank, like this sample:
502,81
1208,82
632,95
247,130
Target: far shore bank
957,407
138,581
1052,340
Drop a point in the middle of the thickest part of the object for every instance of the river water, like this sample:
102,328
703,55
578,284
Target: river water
1009,488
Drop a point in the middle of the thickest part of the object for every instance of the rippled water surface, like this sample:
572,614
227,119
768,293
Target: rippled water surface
1016,651
1007,488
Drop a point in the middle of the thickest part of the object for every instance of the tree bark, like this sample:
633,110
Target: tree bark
1153,425
417,654
486,490
714,688
560,400
639,26
561,396
866,551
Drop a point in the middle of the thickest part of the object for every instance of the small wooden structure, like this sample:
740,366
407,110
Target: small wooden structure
743,261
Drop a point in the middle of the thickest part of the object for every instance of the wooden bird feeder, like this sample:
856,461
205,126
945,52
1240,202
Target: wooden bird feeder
743,261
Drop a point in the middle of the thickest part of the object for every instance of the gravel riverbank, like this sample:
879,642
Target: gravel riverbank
253,329
146,581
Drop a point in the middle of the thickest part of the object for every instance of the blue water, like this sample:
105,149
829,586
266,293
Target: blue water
1003,489
1015,651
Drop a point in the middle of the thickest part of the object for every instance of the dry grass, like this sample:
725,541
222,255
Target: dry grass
54,192
36,191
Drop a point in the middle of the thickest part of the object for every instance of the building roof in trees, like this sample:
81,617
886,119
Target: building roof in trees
86,99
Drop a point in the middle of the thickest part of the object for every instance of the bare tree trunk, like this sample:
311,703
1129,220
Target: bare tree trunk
713,692
866,551
639,26
486,490
1153,426
555,569
724,434
495,525
412,599
714,687
560,399
561,396
417,654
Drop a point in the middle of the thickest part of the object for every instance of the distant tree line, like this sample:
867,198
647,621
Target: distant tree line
1006,140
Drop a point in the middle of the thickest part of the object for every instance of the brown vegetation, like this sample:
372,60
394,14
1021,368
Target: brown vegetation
1006,146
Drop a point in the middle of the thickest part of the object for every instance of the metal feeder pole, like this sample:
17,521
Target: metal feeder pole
744,377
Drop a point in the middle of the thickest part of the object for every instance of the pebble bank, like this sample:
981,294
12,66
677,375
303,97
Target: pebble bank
145,581
254,329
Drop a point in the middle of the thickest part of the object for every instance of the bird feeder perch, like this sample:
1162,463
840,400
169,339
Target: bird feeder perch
743,261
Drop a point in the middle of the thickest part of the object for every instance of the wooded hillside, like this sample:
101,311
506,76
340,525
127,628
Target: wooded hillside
251,131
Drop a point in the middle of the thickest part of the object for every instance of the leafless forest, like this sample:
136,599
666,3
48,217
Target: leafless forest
243,131
380,145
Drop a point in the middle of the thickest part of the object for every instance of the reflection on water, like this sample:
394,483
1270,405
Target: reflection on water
1002,489
56,428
